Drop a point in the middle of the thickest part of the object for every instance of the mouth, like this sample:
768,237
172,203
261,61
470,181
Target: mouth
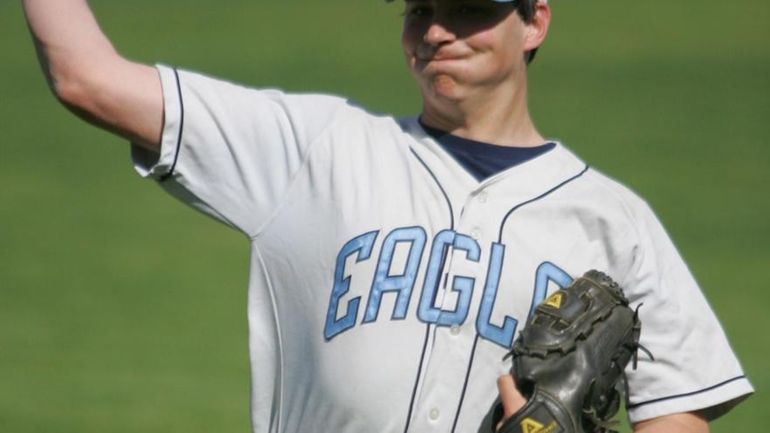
438,62
430,54
439,59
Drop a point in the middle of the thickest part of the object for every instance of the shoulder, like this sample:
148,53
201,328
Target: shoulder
197,87
605,203
613,191
605,192
303,115
631,226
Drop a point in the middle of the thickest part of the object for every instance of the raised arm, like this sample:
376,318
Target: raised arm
88,75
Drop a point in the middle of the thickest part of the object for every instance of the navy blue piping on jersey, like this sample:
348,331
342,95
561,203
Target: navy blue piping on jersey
441,188
465,383
181,128
517,207
500,240
417,379
444,255
428,326
686,394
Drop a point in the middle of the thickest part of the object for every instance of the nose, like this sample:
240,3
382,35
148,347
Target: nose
437,33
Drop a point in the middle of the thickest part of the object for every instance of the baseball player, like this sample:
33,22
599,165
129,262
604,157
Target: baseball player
394,261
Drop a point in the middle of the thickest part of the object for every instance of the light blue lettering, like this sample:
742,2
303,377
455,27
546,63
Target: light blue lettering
463,285
403,283
362,245
502,335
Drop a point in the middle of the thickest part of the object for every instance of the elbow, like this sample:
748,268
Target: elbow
70,91
65,92
85,98
82,91
77,82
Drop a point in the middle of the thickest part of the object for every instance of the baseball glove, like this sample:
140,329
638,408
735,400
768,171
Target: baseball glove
569,359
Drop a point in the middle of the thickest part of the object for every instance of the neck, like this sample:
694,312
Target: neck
500,117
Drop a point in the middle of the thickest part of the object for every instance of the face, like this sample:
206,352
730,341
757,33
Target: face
457,49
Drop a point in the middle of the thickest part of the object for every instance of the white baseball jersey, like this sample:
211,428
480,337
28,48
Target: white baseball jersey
387,283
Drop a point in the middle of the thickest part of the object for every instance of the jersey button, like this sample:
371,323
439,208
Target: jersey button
475,234
483,197
434,414
454,330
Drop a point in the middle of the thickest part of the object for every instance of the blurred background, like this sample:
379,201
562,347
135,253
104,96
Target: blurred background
123,311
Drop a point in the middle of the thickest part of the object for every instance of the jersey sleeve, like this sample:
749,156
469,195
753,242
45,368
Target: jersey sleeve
694,367
232,151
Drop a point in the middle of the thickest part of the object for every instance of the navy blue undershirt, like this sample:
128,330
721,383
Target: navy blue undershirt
483,160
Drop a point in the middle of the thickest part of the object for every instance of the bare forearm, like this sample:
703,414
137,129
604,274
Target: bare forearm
88,75
678,423
67,37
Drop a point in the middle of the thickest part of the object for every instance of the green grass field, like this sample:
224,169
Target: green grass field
123,311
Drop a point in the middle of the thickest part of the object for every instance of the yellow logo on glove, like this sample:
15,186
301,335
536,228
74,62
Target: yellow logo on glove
528,425
554,301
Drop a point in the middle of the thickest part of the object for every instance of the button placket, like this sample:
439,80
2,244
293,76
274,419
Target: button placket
453,343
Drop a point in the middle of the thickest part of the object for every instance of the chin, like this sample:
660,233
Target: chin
438,83
446,87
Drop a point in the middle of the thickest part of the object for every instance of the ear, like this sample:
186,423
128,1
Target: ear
537,29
